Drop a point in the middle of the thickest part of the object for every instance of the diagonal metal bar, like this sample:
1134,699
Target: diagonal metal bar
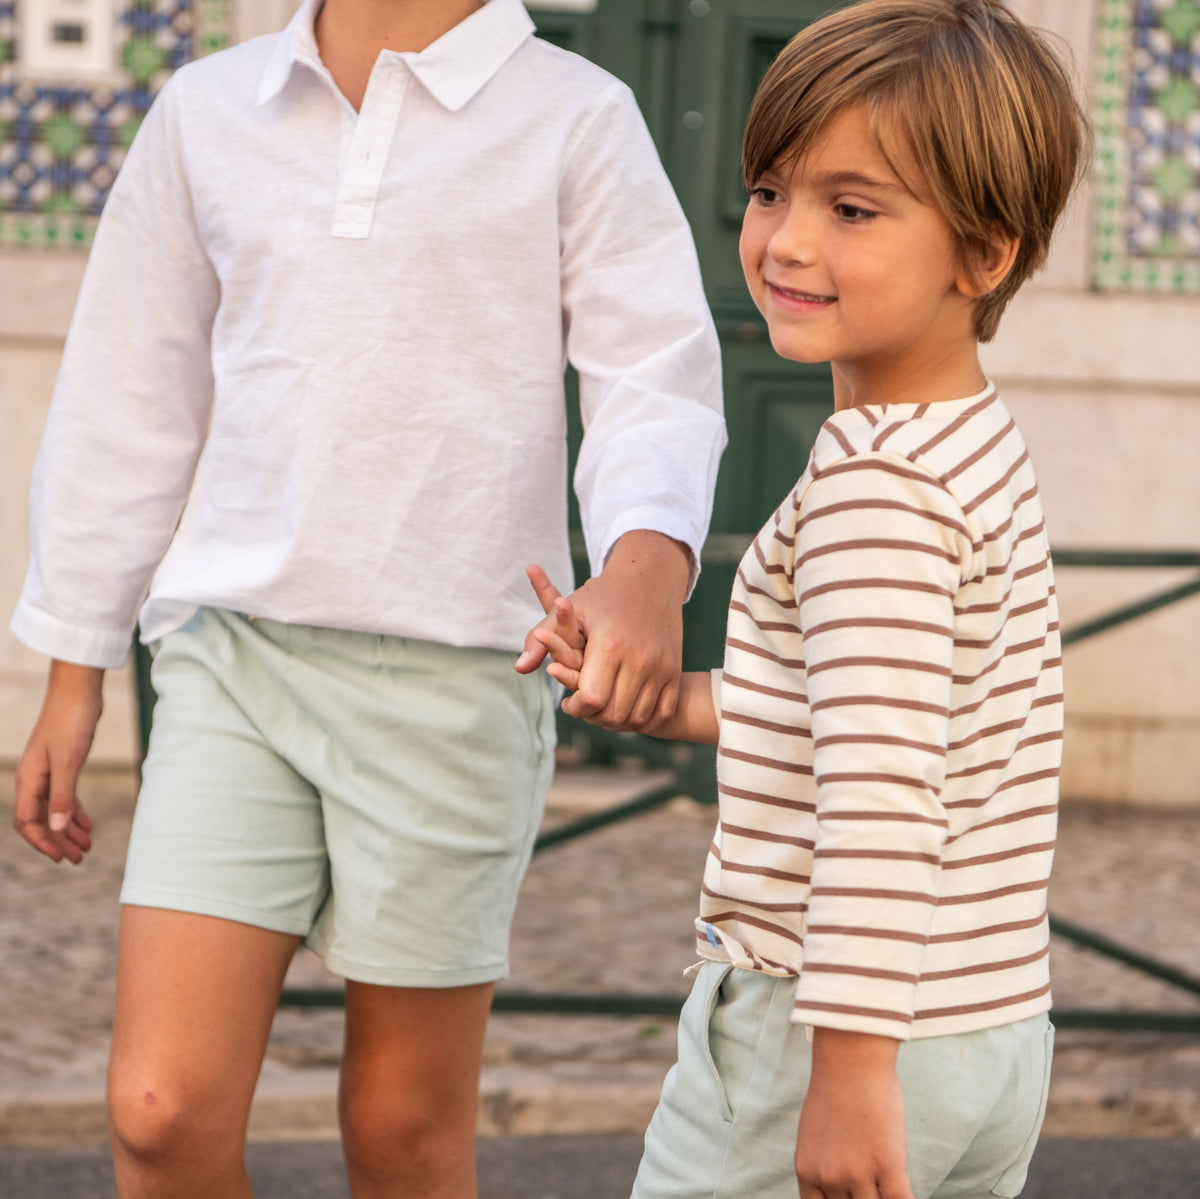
1121,953
588,824
1119,616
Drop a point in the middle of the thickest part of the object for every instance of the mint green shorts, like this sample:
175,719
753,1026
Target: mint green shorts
376,796
725,1127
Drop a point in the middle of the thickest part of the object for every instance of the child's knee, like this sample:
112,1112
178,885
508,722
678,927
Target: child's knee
159,1124
399,1134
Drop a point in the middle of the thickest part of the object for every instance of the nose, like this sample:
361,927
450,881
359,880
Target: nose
794,238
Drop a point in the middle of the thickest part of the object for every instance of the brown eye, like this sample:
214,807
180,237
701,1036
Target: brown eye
853,214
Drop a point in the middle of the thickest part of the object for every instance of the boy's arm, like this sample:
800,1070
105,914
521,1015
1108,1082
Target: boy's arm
851,1140
881,551
130,411
47,812
640,335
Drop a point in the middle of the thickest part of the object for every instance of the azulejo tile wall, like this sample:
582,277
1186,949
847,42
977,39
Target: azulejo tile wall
1147,90
61,144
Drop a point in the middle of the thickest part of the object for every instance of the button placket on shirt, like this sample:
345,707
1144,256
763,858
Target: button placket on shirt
370,140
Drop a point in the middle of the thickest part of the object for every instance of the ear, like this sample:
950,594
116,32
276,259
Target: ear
986,267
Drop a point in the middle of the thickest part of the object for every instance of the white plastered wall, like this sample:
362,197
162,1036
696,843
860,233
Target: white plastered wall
1106,388
37,291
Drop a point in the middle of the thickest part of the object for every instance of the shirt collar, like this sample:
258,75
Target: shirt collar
296,44
453,69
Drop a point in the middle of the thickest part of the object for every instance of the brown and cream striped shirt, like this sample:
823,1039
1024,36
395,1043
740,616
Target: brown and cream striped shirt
891,730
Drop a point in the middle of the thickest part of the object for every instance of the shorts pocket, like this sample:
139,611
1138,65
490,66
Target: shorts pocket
713,1000
1012,1181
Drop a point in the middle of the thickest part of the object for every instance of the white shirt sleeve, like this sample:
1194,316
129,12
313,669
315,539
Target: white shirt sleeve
641,337
130,410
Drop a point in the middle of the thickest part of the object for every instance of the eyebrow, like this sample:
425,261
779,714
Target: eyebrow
857,179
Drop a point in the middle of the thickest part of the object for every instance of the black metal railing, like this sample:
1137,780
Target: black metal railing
693,774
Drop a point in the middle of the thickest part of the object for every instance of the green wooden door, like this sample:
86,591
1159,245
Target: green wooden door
694,65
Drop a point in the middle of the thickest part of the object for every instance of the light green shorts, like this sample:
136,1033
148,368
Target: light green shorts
726,1124
376,796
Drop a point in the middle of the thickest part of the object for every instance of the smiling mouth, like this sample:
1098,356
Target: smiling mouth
800,297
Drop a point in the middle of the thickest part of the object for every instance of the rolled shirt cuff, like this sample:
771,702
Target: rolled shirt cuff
106,649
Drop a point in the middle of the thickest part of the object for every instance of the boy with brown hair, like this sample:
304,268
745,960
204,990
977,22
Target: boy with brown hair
889,718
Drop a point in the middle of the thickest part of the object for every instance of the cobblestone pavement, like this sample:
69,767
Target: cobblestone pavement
610,912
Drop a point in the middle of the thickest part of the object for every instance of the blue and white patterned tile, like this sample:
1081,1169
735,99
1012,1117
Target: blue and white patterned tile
61,145
1147,232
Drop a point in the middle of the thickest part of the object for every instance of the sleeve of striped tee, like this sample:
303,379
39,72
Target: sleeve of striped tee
880,551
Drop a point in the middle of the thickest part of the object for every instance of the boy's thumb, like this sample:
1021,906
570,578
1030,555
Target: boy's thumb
62,799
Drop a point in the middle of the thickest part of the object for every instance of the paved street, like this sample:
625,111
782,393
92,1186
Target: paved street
602,1168
611,912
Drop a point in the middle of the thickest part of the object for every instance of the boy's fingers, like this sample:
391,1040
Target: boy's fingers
569,678
566,623
37,836
560,617
594,698
559,650
895,1186
546,592
33,829
77,834
641,710
532,655
664,709
29,808
71,852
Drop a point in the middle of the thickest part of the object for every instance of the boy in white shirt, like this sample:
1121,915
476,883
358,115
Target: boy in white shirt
310,415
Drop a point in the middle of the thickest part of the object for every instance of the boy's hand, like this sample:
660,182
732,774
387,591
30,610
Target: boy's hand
47,812
851,1141
632,617
560,634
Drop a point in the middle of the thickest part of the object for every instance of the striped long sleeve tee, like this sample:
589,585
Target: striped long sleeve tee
891,730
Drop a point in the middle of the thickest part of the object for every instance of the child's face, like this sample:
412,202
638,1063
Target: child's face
848,266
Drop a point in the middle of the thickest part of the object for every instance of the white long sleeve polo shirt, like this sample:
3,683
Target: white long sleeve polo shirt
316,368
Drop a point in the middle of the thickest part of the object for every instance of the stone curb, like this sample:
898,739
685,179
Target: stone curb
558,1101
513,1101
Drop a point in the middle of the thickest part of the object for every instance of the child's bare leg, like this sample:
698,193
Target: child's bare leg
409,1090
195,1000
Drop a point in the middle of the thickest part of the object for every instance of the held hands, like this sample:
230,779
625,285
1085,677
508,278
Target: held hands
47,812
851,1142
561,637
621,635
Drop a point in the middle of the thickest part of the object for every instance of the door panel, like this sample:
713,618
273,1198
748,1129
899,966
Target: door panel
694,66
